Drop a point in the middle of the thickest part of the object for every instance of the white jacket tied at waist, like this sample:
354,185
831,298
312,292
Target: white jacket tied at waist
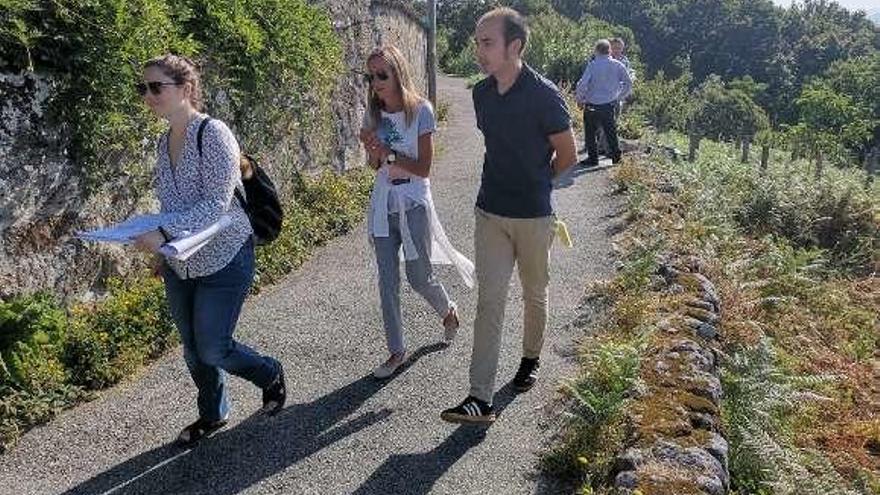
418,189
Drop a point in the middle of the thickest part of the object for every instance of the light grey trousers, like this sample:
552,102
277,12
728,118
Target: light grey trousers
419,273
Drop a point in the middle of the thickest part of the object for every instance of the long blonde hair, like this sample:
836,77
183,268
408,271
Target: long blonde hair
400,68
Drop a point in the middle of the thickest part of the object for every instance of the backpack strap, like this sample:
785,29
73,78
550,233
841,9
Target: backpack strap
201,132
199,135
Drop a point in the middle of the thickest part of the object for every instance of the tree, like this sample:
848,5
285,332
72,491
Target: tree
859,79
559,47
831,122
663,102
723,114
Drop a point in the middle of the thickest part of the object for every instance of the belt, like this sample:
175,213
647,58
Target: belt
397,182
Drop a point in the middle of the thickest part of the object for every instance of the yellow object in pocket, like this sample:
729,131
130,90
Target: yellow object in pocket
562,233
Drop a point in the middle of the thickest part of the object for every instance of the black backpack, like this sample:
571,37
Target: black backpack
262,206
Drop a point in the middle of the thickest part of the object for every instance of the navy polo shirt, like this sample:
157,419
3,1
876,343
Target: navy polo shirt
517,174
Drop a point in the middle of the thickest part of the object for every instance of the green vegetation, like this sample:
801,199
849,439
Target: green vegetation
793,257
558,46
263,60
803,78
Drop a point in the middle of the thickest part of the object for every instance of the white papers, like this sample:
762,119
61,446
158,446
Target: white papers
184,247
180,248
127,231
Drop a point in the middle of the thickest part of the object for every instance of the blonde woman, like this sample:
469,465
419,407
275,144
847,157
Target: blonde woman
205,293
397,134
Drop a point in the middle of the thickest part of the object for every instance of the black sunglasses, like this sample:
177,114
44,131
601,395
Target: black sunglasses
155,87
382,76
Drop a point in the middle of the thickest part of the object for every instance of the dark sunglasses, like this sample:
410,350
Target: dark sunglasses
155,87
382,76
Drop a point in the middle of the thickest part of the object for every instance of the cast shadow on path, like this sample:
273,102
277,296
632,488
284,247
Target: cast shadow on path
567,179
253,450
416,474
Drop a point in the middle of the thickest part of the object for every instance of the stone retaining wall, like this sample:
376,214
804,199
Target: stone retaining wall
676,446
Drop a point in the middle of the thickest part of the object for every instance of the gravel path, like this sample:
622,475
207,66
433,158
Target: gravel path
343,432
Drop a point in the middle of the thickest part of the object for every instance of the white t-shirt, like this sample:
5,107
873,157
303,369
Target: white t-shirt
393,130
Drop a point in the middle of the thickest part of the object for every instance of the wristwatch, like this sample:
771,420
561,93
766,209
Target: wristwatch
392,157
165,234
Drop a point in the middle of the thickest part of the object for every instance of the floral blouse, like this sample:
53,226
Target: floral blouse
198,190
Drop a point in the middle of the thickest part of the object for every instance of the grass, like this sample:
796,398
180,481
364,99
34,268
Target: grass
795,261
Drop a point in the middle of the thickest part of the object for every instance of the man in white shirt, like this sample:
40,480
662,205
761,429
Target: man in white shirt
604,82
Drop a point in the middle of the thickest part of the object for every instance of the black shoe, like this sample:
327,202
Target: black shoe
589,163
202,428
527,374
471,410
275,394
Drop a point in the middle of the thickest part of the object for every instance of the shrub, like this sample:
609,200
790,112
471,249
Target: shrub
31,339
33,379
323,207
595,429
560,47
663,102
463,62
259,58
110,340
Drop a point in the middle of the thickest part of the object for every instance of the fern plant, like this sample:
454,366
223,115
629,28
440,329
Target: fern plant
760,396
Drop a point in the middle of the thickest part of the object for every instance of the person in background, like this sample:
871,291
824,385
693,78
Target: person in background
527,132
205,293
618,48
605,81
398,137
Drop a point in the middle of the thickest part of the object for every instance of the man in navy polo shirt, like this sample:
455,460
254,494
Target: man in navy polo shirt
527,132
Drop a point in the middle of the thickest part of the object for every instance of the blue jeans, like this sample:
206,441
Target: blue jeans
205,310
419,273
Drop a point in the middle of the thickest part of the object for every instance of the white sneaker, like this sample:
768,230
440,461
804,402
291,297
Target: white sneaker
450,325
388,368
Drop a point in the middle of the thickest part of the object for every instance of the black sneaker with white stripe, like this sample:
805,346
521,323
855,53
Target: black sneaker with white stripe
472,410
527,374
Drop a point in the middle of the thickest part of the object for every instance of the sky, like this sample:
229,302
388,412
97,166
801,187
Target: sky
867,5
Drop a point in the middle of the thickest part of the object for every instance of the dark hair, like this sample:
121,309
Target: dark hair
515,27
603,47
619,41
182,70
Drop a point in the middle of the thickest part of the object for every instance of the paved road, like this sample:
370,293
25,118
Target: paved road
343,432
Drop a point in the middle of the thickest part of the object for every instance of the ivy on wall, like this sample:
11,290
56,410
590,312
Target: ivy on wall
272,63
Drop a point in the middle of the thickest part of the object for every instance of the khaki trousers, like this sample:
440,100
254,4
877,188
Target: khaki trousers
499,244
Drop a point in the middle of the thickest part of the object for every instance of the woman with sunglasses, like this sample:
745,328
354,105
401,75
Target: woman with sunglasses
397,135
205,293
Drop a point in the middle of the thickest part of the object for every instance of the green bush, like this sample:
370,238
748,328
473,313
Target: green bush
31,340
33,379
834,212
262,55
595,430
825,214
462,63
759,396
109,341
560,47
323,207
631,125
722,112
663,102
